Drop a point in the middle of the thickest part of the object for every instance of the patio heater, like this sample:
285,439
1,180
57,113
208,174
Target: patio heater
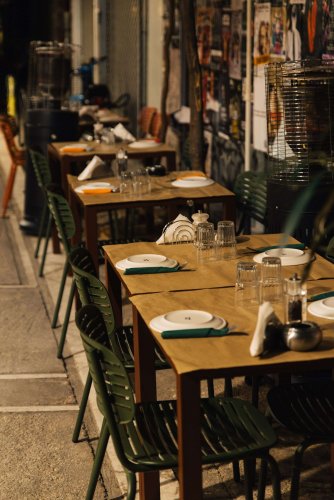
300,125
47,118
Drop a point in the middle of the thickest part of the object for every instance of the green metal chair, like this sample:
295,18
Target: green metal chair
251,195
145,434
43,176
64,221
92,291
330,250
308,410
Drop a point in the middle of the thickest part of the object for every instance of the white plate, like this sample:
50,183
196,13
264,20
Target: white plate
318,308
69,147
125,264
93,185
144,144
329,303
147,259
286,260
192,182
186,319
284,252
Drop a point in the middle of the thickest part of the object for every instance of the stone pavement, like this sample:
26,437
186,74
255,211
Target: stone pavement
39,394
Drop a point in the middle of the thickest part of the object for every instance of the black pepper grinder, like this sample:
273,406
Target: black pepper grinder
294,299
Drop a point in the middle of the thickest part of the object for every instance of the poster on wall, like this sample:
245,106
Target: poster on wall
260,141
226,35
204,34
262,33
278,23
235,45
294,23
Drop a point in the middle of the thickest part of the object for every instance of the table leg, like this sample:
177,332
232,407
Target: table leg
113,284
90,217
171,161
189,428
229,208
145,386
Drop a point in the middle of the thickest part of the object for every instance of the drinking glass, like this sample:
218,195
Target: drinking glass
206,246
271,282
247,286
141,182
126,185
226,243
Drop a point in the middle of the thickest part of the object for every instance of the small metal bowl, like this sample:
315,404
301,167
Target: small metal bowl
302,336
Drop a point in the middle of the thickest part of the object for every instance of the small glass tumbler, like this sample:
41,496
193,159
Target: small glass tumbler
206,245
295,298
226,243
126,185
271,280
247,286
141,182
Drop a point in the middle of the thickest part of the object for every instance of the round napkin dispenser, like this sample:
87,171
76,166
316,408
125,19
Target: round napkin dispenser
302,335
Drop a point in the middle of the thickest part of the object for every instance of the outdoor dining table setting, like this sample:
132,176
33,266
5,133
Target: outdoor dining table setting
210,319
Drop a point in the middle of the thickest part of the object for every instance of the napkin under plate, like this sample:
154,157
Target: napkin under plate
151,270
299,246
320,296
195,333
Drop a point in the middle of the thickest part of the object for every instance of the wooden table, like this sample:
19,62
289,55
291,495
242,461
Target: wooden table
195,359
212,275
62,164
162,194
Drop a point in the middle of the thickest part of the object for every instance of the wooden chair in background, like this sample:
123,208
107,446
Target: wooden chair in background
17,155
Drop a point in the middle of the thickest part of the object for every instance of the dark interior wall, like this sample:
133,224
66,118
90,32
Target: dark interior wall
21,22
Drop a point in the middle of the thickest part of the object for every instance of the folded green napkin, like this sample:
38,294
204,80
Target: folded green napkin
195,333
320,296
299,246
151,270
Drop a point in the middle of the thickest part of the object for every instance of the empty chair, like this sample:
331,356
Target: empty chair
92,291
251,195
308,410
145,434
43,176
17,156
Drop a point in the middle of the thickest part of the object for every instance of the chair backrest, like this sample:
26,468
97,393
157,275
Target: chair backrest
111,381
92,291
62,216
41,168
330,250
251,194
10,130
145,119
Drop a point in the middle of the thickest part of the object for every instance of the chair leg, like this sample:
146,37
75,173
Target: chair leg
40,230
82,409
132,483
60,294
276,477
262,480
100,452
248,466
66,321
46,243
211,388
8,189
297,463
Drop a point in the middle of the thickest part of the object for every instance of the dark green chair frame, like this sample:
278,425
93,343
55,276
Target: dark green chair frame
306,409
92,291
251,195
43,176
145,434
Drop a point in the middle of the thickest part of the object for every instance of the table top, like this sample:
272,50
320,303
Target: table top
229,355
104,150
212,275
161,189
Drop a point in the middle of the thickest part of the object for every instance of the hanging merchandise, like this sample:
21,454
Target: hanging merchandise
235,45
262,33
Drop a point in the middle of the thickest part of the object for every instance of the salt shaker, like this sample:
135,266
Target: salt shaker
294,299
198,218
122,161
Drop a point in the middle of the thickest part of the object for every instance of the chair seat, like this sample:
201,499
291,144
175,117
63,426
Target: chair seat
305,408
232,429
124,338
